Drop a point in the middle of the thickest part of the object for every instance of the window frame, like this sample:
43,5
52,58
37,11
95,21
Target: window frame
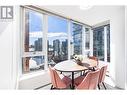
25,54
58,17
105,40
45,32
71,22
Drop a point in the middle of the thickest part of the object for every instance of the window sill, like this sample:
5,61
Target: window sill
31,75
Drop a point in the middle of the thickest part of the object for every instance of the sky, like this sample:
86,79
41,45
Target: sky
57,27
55,24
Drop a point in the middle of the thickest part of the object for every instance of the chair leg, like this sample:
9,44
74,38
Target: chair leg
81,73
51,87
104,85
98,86
70,86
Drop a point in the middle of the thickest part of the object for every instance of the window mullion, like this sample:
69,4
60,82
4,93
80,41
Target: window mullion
83,42
105,44
69,38
45,32
91,42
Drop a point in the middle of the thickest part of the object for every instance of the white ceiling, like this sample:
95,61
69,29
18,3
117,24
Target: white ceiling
92,16
73,12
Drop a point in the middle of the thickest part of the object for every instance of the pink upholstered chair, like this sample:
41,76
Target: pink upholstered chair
59,81
94,58
102,75
89,81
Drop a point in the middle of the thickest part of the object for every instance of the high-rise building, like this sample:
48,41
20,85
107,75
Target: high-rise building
77,38
38,44
87,38
56,47
64,49
98,42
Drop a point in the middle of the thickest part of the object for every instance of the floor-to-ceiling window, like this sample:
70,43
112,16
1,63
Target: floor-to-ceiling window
57,39
101,42
48,38
76,38
98,42
61,37
33,58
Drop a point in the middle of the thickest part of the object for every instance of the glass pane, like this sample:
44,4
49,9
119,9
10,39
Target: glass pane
33,64
87,38
33,31
76,38
108,43
57,39
98,43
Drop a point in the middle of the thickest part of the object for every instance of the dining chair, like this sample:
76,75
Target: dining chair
59,81
89,81
102,75
94,58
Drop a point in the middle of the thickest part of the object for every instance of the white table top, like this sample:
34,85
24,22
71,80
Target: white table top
71,65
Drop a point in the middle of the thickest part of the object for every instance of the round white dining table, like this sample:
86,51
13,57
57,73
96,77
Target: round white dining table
72,66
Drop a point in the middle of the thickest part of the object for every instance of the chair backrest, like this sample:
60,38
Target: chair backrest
90,81
103,70
94,58
55,79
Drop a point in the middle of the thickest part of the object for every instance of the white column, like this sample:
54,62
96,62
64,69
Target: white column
105,44
69,35
16,66
45,32
83,41
91,42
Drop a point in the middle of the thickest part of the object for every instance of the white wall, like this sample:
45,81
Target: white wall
5,54
8,52
126,43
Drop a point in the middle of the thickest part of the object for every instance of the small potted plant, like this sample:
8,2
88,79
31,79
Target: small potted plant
78,58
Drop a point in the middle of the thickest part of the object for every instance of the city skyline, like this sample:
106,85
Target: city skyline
57,30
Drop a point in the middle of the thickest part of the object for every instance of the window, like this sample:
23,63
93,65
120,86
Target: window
32,63
87,38
33,31
33,58
48,38
98,43
57,39
101,42
76,38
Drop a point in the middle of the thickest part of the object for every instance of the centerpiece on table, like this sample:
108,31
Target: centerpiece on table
78,59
